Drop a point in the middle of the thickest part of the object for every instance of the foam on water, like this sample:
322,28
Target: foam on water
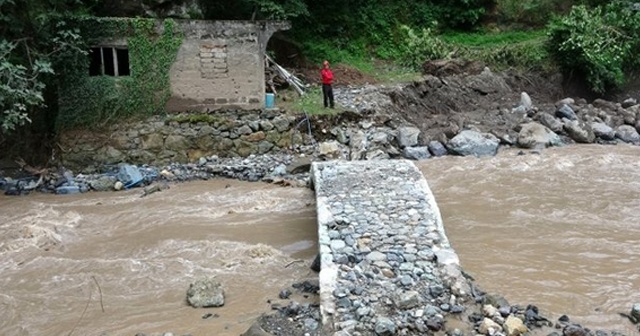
41,226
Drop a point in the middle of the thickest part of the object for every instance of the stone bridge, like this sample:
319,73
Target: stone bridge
386,264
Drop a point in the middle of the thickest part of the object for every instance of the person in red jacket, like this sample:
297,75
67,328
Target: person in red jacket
327,80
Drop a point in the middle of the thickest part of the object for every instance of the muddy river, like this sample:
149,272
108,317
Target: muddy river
559,229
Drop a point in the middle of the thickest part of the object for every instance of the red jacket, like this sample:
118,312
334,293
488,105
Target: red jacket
327,76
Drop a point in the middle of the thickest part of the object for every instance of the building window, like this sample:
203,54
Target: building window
109,61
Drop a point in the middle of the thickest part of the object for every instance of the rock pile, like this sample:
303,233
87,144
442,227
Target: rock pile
470,115
281,169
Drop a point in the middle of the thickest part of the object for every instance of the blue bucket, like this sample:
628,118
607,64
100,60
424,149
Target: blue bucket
270,100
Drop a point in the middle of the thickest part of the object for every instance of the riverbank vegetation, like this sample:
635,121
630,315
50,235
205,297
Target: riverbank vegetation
591,39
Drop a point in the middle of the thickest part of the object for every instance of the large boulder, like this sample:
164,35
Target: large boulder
329,149
534,135
579,131
605,105
472,143
299,166
574,330
629,102
489,327
408,136
358,145
103,183
603,131
514,326
416,153
565,111
205,293
437,148
525,104
551,122
628,134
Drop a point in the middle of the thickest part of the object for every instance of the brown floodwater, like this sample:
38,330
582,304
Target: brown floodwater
144,252
560,230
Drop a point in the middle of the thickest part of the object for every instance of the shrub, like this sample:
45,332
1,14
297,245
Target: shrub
417,47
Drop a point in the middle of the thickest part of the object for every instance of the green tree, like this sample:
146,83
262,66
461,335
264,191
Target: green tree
21,88
598,43
32,35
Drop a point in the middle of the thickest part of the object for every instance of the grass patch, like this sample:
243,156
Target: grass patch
195,118
383,71
312,103
389,72
490,40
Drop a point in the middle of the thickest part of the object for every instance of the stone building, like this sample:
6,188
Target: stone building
144,67
220,64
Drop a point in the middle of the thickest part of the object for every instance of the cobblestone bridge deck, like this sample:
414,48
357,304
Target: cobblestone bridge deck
387,266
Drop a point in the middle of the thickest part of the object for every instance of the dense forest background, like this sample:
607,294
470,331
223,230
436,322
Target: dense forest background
595,40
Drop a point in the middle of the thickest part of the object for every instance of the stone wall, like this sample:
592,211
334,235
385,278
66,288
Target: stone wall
220,65
161,140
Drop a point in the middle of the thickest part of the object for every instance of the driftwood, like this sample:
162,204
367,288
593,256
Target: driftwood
293,262
41,172
31,170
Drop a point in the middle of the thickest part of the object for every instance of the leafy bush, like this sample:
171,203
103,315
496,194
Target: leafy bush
598,43
418,47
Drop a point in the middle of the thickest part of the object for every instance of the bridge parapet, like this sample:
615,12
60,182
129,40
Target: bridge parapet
387,267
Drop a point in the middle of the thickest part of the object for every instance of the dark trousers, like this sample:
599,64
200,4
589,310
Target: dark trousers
327,93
